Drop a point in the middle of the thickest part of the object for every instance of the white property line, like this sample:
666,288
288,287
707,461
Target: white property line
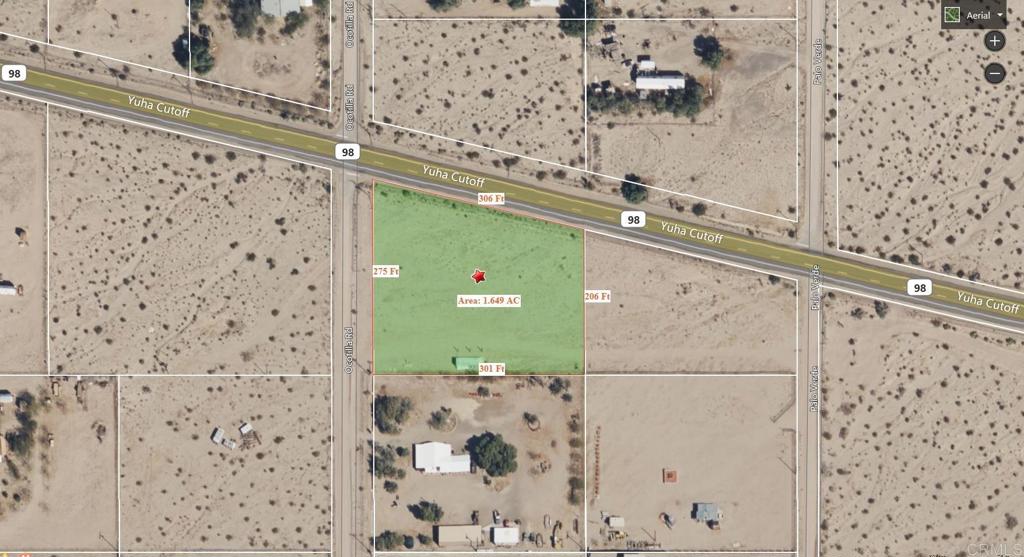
839,165
189,76
796,439
117,461
46,171
586,110
817,525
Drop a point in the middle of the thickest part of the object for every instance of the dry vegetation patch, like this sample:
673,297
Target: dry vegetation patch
26,18
138,32
182,491
931,171
675,313
921,433
171,255
23,238
509,85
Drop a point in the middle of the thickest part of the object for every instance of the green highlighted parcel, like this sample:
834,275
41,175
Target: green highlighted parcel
438,244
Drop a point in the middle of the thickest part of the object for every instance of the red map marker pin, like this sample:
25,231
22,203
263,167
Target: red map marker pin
478,276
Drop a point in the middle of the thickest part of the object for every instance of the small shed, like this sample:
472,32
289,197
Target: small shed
217,436
458,534
7,288
245,428
616,522
505,535
708,513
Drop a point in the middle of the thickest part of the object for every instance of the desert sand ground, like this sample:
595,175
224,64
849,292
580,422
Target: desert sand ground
741,148
701,8
68,490
171,255
931,172
138,32
684,314
26,18
731,441
180,491
546,461
291,67
467,8
23,205
922,444
514,86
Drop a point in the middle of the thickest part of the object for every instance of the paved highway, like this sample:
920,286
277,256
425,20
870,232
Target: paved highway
175,116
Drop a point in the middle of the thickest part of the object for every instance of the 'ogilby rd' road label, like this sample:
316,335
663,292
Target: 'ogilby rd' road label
385,271
597,296
488,301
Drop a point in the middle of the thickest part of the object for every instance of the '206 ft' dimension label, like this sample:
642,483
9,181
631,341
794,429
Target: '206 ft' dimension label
488,301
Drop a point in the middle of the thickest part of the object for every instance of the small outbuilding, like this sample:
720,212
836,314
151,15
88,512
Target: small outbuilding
505,535
7,397
281,8
471,534
708,513
437,458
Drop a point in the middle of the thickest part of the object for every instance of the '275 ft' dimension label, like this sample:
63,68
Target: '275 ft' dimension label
488,301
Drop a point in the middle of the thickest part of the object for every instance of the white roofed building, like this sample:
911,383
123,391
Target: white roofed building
660,82
281,8
505,535
437,458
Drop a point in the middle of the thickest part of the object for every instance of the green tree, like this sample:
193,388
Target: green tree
577,17
516,4
389,412
709,50
202,60
444,5
631,190
427,511
490,452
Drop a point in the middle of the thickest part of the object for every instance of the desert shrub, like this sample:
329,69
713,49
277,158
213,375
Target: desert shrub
427,511
699,209
244,14
557,385
387,541
439,418
573,13
389,412
516,4
293,21
881,309
390,486
632,191
575,483
423,539
483,391
409,542
382,463
490,452
443,5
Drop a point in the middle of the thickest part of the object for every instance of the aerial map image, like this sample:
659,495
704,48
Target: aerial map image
557,278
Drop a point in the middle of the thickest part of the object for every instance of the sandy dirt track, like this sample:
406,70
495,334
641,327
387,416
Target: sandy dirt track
931,172
23,205
138,32
921,433
26,18
741,148
538,488
514,86
675,313
72,501
180,491
171,255
731,441
702,8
